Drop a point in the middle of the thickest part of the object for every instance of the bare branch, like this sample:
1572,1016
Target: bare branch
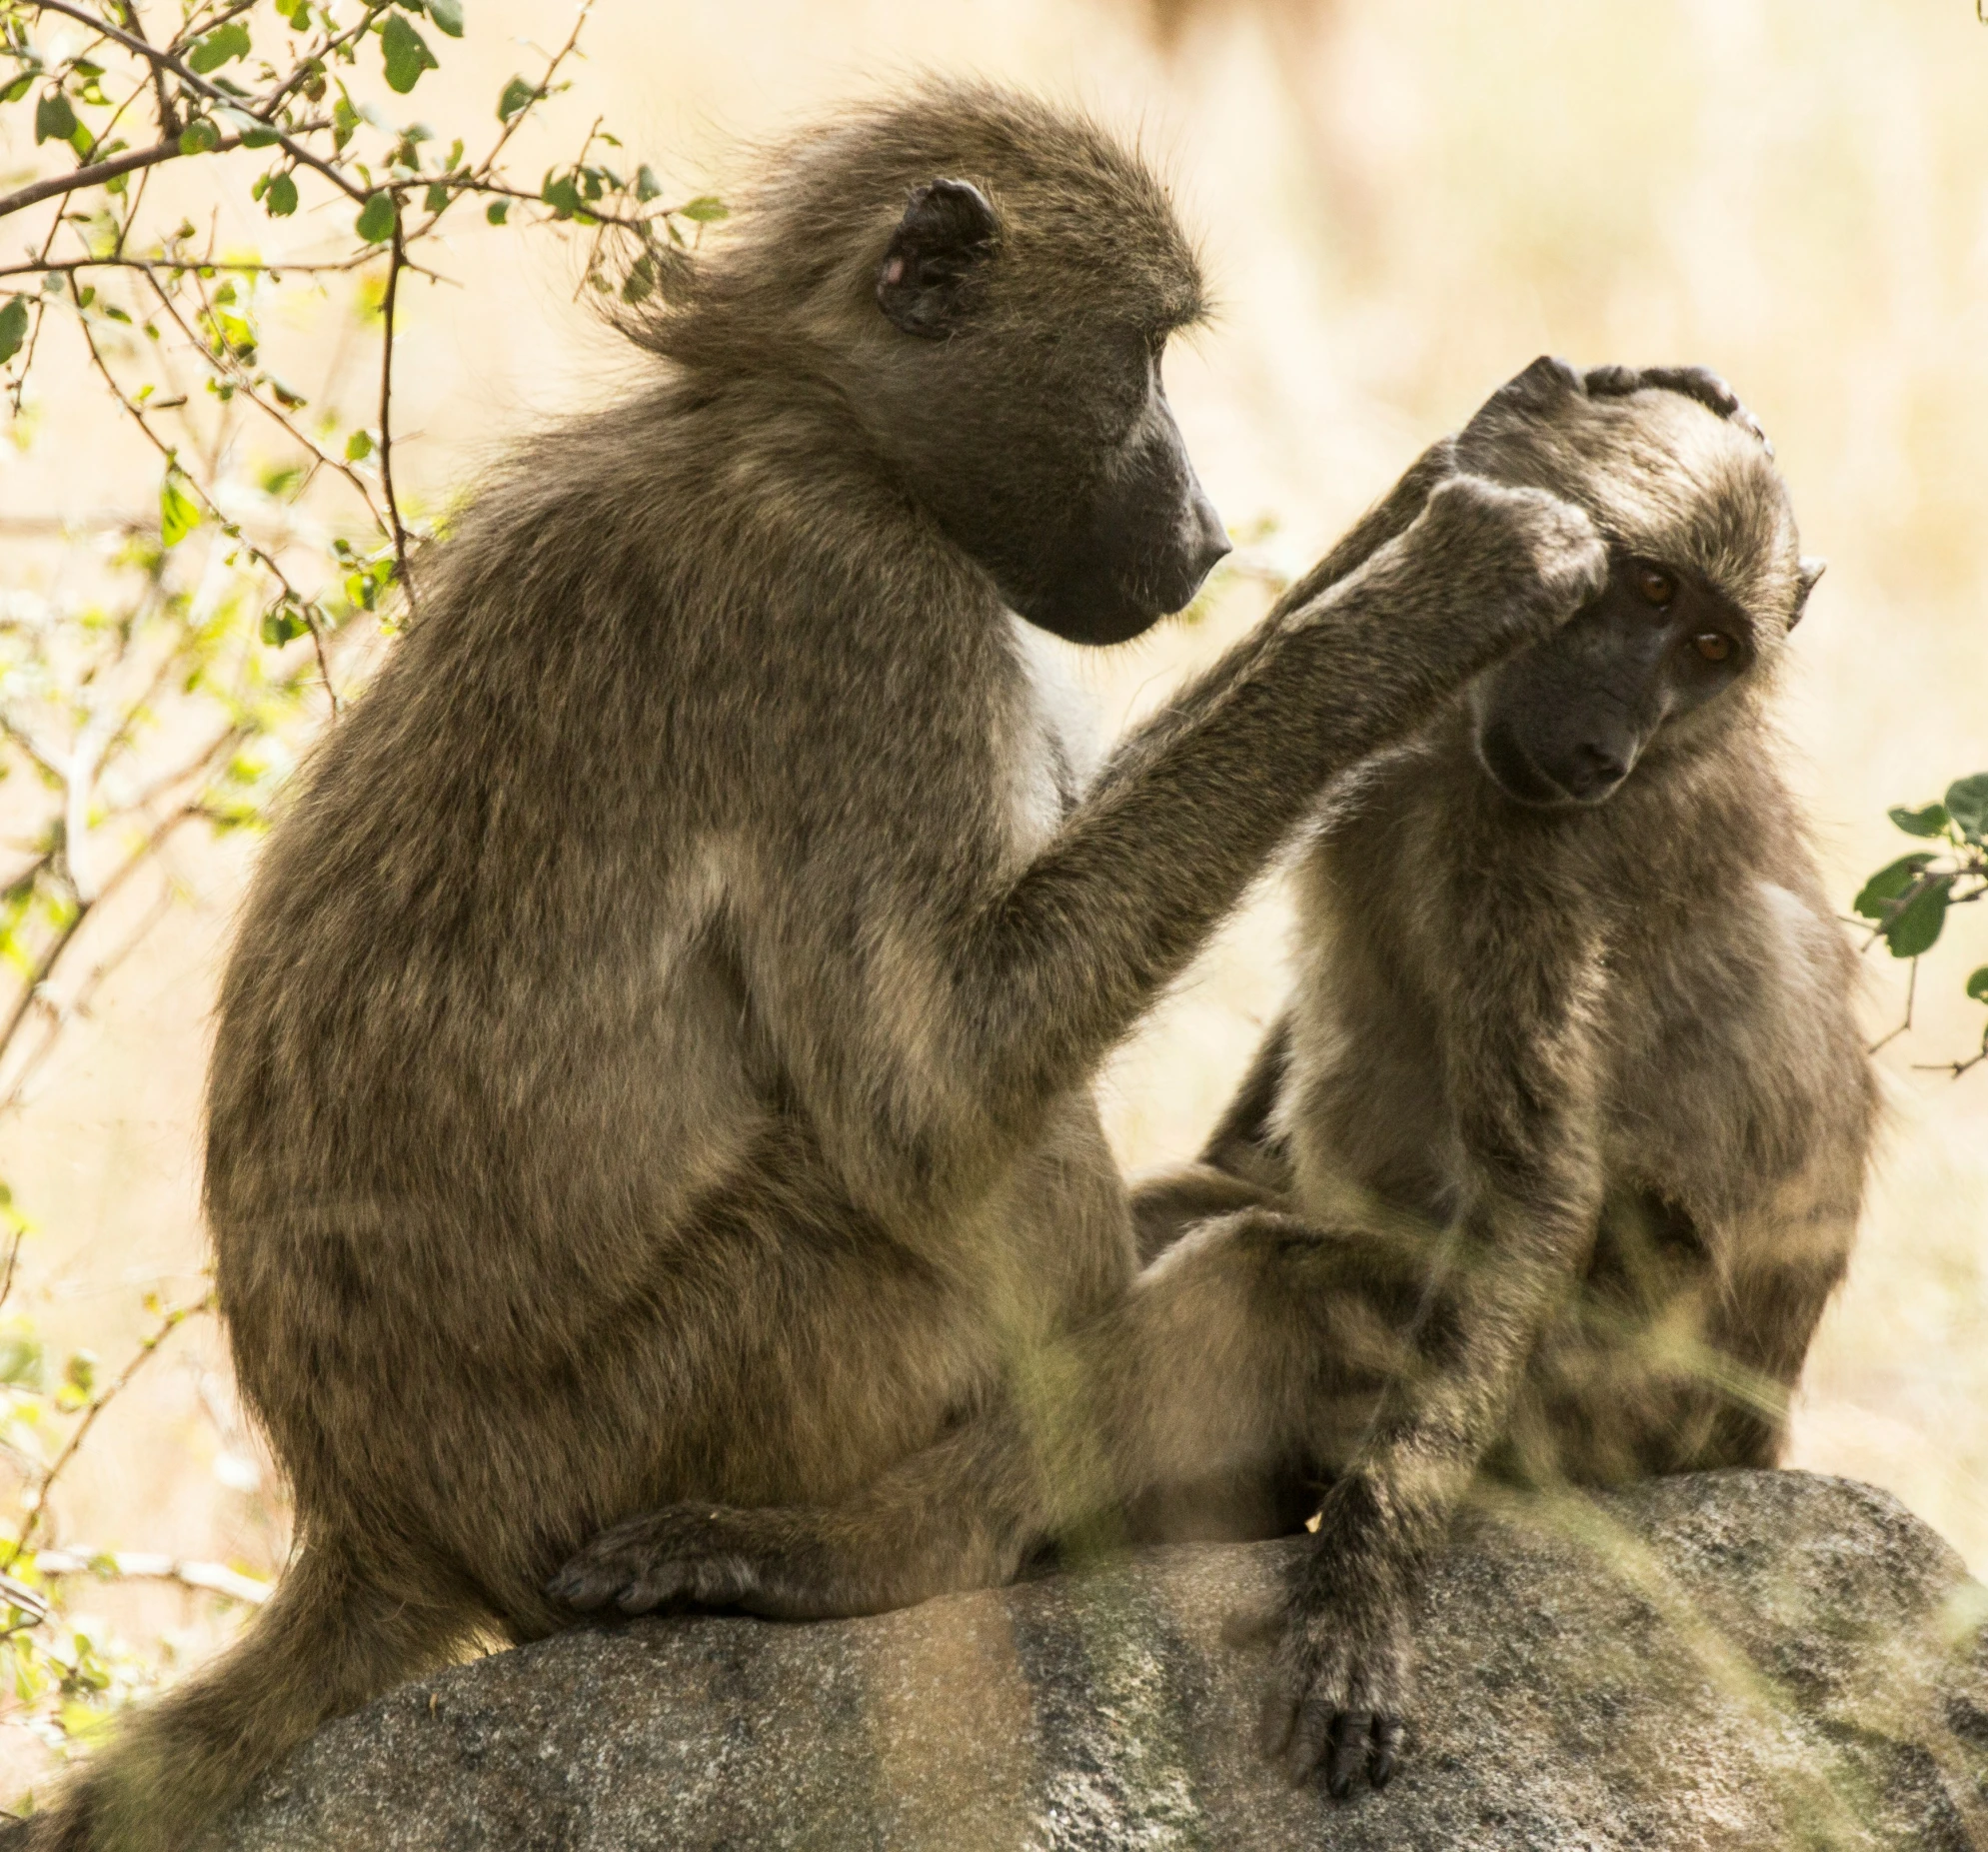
144,1565
396,262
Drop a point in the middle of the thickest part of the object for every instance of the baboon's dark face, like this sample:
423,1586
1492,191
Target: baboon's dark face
1565,721
1026,411
1136,535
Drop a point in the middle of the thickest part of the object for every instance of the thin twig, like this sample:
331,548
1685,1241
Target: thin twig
45,967
1911,991
169,121
396,260
37,1502
13,1260
285,138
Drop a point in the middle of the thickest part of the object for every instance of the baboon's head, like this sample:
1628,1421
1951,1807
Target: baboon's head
1706,581
986,284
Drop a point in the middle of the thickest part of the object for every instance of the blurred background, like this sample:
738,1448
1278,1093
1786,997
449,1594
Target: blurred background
1401,202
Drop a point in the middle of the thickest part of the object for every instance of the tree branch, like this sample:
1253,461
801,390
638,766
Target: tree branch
202,88
144,1565
396,262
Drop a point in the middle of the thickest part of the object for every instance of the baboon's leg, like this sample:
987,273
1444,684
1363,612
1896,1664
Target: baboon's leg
1243,1164
1249,1356
1787,1262
1167,1206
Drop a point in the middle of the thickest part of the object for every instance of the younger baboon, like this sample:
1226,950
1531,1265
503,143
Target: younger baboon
1571,1075
652,1076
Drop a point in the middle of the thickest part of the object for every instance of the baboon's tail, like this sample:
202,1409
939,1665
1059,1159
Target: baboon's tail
328,1640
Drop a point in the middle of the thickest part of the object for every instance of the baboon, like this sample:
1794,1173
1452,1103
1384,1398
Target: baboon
1571,1071
652,1071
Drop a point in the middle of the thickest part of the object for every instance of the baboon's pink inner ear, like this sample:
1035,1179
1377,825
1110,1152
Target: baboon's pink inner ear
931,268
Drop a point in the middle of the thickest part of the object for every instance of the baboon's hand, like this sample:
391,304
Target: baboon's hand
1339,1672
769,1561
1698,383
1521,560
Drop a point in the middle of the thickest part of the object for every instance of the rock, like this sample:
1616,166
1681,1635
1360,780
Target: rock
1745,1660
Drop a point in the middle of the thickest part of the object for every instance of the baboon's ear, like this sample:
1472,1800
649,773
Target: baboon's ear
1812,568
925,281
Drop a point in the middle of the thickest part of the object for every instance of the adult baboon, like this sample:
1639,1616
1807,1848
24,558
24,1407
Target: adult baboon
655,1063
1572,993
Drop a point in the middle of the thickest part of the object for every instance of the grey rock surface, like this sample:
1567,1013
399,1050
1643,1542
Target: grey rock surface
1756,1660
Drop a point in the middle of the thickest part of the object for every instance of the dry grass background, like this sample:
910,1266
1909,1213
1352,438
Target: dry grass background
1404,201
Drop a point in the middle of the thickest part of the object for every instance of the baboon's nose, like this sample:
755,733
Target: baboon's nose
1596,769
1210,539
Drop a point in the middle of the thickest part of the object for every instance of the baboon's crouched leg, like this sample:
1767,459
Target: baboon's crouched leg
1254,1337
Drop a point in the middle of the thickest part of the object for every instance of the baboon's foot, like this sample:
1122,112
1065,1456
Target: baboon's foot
774,1562
1339,1674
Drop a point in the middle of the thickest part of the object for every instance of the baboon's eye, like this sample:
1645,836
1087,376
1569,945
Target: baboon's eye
1713,645
1657,586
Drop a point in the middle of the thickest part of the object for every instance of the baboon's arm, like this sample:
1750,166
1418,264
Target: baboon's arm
1191,809
931,996
1388,518
1523,1083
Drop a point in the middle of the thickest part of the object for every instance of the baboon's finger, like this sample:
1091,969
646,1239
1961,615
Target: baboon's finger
1385,1752
1347,1751
1699,383
1276,1720
1310,1730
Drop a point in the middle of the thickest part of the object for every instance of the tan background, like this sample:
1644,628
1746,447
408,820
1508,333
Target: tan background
1402,201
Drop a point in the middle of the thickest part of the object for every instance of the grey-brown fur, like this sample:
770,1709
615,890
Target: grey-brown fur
652,1074
1580,1091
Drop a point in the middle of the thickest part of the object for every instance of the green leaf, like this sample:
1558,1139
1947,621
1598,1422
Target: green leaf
406,53
13,326
179,512
1967,804
517,94
705,209
358,447
219,47
18,88
279,198
437,198
1977,985
562,196
377,218
647,186
345,120
497,211
1891,880
1916,925
448,16
299,15
199,137
1928,820
641,279
254,132
282,622
55,121
21,1359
